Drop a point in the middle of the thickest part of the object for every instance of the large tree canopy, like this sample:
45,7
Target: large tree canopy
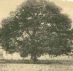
35,28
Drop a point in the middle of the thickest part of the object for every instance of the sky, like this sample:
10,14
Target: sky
67,7
7,5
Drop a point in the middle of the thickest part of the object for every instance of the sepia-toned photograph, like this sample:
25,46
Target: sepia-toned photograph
36,35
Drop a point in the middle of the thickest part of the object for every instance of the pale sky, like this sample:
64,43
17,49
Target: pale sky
67,6
7,5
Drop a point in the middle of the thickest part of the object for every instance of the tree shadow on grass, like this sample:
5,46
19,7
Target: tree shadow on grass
61,62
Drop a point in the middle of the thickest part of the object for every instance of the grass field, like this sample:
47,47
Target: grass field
54,64
35,67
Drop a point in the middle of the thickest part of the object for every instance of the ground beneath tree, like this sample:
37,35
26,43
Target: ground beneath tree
35,67
55,64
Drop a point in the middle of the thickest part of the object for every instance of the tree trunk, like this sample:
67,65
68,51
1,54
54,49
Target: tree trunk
34,58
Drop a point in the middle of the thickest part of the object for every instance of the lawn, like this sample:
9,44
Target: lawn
35,67
53,64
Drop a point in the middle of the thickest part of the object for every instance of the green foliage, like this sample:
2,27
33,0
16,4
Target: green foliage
35,29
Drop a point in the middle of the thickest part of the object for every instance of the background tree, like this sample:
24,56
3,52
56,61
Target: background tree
36,28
